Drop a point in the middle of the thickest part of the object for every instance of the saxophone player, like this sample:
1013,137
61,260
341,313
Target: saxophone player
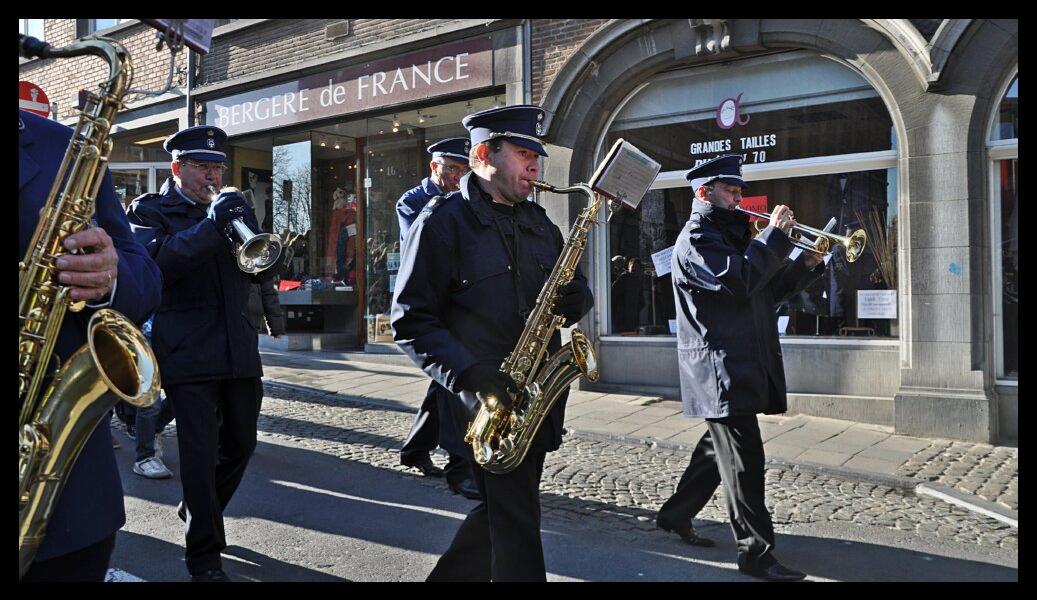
115,271
470,273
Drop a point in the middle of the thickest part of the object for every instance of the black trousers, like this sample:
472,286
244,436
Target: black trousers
499,540
87,564
731,453
216,435
424,437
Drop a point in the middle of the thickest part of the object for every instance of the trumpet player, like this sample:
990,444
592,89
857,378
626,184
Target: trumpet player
726,285
472,266
116,272
207,349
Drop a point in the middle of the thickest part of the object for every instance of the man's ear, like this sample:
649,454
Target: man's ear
175,168
481,151
433,165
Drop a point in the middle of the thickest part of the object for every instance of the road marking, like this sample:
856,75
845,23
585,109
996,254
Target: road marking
120,576
424,509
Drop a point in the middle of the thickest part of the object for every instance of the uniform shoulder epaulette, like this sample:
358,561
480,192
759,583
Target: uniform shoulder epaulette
438,201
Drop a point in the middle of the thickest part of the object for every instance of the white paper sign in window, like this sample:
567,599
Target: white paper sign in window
876,304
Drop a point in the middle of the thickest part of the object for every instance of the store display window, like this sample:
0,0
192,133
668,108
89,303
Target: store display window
814,129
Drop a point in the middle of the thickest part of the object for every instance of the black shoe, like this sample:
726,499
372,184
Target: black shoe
467,489
423,463
212,575
687,533
773,572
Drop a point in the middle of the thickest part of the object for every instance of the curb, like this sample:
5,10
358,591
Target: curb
922,488
969,502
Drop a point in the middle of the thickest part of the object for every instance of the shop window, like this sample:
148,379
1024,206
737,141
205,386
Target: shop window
799,116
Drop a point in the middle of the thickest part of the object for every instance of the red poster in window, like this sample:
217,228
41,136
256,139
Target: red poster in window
755,204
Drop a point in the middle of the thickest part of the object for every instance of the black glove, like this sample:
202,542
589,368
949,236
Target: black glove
251,221
227,207
488,382
569,302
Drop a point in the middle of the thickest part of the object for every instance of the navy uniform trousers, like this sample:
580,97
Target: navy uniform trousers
424,436
511,502
216,435
731,453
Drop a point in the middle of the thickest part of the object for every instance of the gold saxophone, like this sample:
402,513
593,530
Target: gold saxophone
55,421
501,437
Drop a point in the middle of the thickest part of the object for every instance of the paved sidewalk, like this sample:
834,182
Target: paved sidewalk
980,477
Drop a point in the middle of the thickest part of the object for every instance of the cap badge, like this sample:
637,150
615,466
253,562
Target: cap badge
210,143
540,128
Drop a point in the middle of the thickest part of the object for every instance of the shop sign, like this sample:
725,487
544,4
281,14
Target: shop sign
421,75
753,148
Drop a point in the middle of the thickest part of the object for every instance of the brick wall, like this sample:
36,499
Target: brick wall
552,42
283,42
61,78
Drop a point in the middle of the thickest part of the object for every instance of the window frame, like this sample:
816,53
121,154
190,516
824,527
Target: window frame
998,151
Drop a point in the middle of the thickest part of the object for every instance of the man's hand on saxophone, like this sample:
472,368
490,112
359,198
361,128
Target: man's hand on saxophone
492,387
91,273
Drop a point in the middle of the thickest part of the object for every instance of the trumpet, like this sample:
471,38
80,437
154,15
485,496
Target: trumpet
257,251
853,243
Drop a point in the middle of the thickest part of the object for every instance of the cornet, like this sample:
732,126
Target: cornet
258,251
853,244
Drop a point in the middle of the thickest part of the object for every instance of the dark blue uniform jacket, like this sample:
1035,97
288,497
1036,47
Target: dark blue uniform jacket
411,203
90,507
456,301
726,286
201,330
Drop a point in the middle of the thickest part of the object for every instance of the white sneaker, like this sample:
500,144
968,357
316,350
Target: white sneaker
152,468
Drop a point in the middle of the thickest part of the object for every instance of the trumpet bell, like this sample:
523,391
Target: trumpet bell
259,253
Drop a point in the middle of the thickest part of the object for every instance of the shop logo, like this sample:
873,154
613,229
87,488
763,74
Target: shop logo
729,113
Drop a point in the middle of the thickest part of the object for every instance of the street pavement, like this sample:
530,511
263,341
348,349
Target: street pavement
325,498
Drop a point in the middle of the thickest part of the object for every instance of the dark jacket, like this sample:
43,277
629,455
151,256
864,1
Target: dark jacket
456,301
264,308
90,508
726,287
201,330
411,203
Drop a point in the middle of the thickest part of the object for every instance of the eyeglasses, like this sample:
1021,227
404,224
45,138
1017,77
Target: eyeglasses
213,167
452,169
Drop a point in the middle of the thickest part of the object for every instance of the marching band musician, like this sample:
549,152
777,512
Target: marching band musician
206,347
727,285
448,165
472,267
118,273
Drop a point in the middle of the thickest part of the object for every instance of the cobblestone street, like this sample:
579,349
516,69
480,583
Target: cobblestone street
619,485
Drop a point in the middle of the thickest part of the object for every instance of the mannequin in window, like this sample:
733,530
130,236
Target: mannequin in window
340,249
257,195
627,297
850,198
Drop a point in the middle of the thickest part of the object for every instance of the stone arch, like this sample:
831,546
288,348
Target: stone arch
624,54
